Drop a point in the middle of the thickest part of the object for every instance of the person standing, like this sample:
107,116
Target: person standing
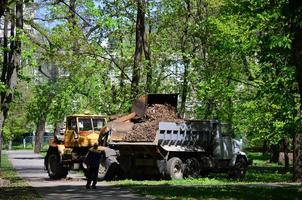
92,160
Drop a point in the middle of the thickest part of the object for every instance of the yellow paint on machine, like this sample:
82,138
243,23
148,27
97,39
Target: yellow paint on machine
71,140
88,140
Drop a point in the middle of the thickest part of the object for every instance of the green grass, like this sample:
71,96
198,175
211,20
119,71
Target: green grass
219,192
261,182
18,188
29,146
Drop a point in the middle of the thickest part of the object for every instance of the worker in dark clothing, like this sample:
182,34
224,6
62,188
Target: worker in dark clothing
93,162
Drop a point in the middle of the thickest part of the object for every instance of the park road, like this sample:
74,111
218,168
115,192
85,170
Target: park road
30,166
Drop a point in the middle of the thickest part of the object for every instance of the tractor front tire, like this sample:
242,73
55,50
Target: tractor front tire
55,168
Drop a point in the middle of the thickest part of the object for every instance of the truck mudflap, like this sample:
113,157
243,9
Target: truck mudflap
249,162
239,154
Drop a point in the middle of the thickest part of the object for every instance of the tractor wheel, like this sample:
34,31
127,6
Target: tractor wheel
239,170
192,168
55,169
175,168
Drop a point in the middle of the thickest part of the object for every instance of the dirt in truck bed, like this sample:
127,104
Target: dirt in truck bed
146,131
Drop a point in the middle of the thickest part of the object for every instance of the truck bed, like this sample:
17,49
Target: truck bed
189,136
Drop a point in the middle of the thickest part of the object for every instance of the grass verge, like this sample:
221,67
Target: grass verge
263,180
219,192
17,189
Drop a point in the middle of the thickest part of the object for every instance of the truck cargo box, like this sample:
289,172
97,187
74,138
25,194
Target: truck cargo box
190,136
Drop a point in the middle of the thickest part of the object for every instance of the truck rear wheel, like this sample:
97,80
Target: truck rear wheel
55,169
175,168
102,170
192,168
239,169
111,169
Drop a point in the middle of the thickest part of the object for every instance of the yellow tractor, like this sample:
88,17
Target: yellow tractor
67,152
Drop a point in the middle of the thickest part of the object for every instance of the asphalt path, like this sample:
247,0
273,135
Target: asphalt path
30,166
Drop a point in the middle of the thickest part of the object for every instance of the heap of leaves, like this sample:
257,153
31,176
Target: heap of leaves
146,131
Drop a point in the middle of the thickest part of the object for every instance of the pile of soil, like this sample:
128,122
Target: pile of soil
146,131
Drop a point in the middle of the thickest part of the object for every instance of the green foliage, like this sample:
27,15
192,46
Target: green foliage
17,122
237,53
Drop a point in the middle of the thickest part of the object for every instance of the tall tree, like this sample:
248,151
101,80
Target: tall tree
3,7
295,8
185,56
139,47
12,59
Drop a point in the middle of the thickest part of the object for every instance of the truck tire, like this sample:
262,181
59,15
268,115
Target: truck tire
175,168
102,170
192,168
84,169
55,169
113,169
239,169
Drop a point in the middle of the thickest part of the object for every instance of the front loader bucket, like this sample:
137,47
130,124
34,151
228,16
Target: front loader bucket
140,105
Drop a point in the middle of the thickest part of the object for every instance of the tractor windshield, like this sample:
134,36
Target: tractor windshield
85,124
98,124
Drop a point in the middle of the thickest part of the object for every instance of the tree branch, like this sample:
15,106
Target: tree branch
75,12
41,71
241,81
39,29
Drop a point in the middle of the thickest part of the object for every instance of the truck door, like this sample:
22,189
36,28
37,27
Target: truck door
222,142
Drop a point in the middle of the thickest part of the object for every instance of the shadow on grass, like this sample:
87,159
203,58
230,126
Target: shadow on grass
218,192
22,193
68,192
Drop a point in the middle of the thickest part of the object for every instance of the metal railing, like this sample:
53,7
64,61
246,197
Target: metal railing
27,142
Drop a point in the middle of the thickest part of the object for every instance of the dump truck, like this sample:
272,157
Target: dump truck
67,152
176,149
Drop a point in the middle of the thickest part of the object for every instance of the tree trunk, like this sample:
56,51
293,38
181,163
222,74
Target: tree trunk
3,7
5,52
210,106
159,79
139,42
286,158
186,61
264,147
10,144
71,12
296,29
73,23
39,134
184,91
11,60
297,162
3,79
275,150
147,54
122,75
1,137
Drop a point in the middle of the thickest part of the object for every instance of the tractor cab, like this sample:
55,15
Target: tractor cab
83,130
